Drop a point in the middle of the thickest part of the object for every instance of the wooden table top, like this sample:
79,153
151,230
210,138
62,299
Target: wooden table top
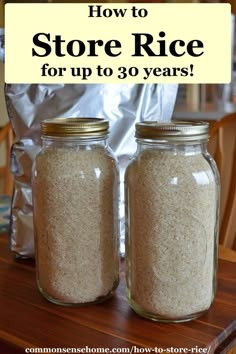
27,320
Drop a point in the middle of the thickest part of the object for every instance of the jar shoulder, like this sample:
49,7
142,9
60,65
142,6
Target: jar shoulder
98,161
76,153
164,165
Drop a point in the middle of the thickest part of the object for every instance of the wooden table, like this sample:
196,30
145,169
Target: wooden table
29,321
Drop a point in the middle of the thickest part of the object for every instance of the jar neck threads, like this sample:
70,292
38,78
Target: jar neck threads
180,148
74,141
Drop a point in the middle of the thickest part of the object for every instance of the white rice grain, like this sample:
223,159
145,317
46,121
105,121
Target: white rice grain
171,233
76,223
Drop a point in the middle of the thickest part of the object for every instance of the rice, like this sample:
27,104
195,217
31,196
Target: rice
76,221
171,216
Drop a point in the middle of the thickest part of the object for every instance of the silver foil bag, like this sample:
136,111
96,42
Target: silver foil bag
2,44
123,105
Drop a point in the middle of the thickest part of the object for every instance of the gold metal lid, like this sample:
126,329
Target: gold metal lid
174,131
74,127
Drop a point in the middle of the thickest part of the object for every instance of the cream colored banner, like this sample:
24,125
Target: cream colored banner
118,43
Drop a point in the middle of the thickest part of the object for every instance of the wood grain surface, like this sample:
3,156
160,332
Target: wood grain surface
27,320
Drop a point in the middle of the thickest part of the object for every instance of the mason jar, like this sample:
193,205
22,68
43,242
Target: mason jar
75,202
172,204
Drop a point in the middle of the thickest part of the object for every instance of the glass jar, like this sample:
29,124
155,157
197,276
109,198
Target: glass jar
75,201
172,202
